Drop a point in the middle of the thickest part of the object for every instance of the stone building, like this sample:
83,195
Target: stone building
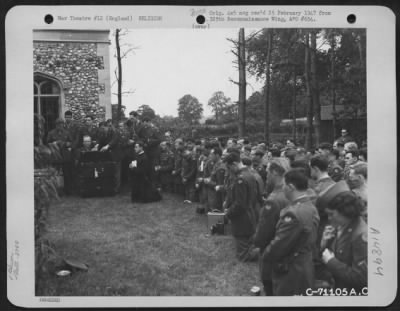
71,72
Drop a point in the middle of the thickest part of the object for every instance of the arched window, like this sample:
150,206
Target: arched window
47,100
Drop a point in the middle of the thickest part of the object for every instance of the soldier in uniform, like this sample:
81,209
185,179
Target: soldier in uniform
201,162
188,174
210,191
291,250
344,244
177,171
217,179
269,217
260,186
258,165
335,166
109,140
240,208
126,144
89,128
165,167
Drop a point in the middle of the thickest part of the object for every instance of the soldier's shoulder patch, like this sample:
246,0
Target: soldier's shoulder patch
268,207
364,237
337,170
287,219
240,181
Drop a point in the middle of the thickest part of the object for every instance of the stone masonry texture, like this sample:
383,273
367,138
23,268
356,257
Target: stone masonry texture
76,65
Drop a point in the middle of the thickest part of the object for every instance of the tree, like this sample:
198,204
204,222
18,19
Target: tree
267,107
315,87
218,102
240,52
189,109
120,55
145,111
310,110
242,82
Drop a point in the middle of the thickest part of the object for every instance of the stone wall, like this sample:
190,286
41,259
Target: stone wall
76,65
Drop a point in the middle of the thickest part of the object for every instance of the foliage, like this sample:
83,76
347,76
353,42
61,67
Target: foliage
288,67
190,109
218,102
145,111
45,190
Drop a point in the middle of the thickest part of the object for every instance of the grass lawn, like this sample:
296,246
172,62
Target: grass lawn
156,249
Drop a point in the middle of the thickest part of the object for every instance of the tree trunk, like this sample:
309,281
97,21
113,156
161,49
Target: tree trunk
308,144
332,85
362,68
294,108
119,75
315,89
242,83
267,108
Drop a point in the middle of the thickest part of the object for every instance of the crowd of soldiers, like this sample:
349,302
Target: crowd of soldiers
302,215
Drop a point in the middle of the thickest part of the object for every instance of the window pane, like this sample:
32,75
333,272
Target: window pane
49,87
49,111
35,90
35,104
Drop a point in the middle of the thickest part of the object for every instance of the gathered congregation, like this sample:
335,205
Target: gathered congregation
301,214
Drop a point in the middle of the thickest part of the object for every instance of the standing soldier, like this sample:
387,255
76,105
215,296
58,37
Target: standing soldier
269,217
211,193
344,244
89,128
259,166
217,178
177,171
109,140
165,167
188,174
260,186
126,144
291,251
240,208
201,166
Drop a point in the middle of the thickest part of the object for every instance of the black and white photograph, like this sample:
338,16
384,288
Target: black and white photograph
194,162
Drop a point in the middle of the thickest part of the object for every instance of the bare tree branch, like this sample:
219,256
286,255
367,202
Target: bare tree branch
234,82
233,41
251,36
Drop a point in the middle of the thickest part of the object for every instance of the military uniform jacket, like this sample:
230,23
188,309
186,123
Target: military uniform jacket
58,135
166,161
290,251
112,139
201,163
189,167
218,174
266,227
73,129
335,171
261,170
349,267
178,162
241,204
